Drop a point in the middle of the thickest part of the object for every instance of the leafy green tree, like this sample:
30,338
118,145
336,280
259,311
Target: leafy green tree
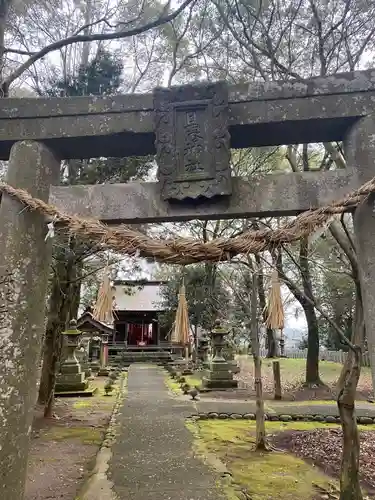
102,76
205,302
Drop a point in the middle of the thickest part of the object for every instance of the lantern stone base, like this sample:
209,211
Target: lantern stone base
234,368
219,377
95,366
86,369
71,383
187,371
103,372
87,393
71,378
84,363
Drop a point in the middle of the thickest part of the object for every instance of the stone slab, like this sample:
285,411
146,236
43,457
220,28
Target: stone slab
71,387
272,113
214,383
349,82
73,394
287,194
153,457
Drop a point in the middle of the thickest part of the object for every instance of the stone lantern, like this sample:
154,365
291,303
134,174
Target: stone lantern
104,371
71,377
219,376
95,353
203,348
229,356
83,357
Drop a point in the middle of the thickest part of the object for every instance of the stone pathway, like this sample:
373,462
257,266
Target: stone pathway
152,457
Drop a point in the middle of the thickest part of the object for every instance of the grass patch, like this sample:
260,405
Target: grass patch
264,476
305,403
84,403
193,380
87,435
296,368
172,385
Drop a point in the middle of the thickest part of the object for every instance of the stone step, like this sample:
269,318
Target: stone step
137,357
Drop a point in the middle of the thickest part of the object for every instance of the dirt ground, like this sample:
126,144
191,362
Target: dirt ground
63,449
292,377
323,448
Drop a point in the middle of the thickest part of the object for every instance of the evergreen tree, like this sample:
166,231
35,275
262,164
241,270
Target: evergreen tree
102,76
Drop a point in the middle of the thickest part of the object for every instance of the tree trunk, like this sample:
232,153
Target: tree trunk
53,329
272,351
349,474
342,237
358,338
57,316
4,10
61,303
312,361
277,380
261,441
75,290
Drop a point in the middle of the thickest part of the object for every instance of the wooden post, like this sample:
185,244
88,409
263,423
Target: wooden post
24,267
277,379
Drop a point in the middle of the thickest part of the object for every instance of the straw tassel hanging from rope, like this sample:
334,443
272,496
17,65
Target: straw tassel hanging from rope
275,309
181,328
103,310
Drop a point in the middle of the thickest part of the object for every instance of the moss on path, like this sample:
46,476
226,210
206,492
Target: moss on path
259,475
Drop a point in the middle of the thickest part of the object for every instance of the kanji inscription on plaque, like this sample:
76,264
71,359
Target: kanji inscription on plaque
192,141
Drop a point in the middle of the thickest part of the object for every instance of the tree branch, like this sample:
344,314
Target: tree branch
20,52
91,38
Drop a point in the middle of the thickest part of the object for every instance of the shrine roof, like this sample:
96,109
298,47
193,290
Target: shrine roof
87,323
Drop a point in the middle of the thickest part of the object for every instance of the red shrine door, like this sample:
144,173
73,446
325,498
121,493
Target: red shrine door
139,334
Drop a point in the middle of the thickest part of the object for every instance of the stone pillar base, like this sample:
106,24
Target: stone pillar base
219,377
67,387
95,366
103,372
219,384
71,382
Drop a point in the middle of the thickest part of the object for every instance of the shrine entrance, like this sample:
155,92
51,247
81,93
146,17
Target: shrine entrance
191,129
140,334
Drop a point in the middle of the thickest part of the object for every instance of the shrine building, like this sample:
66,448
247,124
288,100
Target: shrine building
137,307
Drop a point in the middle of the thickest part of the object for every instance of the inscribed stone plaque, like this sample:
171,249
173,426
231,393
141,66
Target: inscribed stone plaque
192,141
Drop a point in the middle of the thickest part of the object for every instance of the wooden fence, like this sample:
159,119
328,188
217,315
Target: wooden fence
335,356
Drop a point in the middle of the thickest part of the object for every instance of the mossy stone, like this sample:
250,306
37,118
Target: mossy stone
286,418
319,418
365,420
330,420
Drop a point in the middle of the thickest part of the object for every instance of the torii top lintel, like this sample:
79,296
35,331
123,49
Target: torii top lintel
191,129
259,114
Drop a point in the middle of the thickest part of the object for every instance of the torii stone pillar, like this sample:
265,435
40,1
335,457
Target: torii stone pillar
360,153
24,267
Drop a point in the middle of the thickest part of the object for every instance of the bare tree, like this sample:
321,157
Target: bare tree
102,29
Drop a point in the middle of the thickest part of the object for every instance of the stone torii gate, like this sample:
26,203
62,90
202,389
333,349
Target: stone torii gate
191,129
